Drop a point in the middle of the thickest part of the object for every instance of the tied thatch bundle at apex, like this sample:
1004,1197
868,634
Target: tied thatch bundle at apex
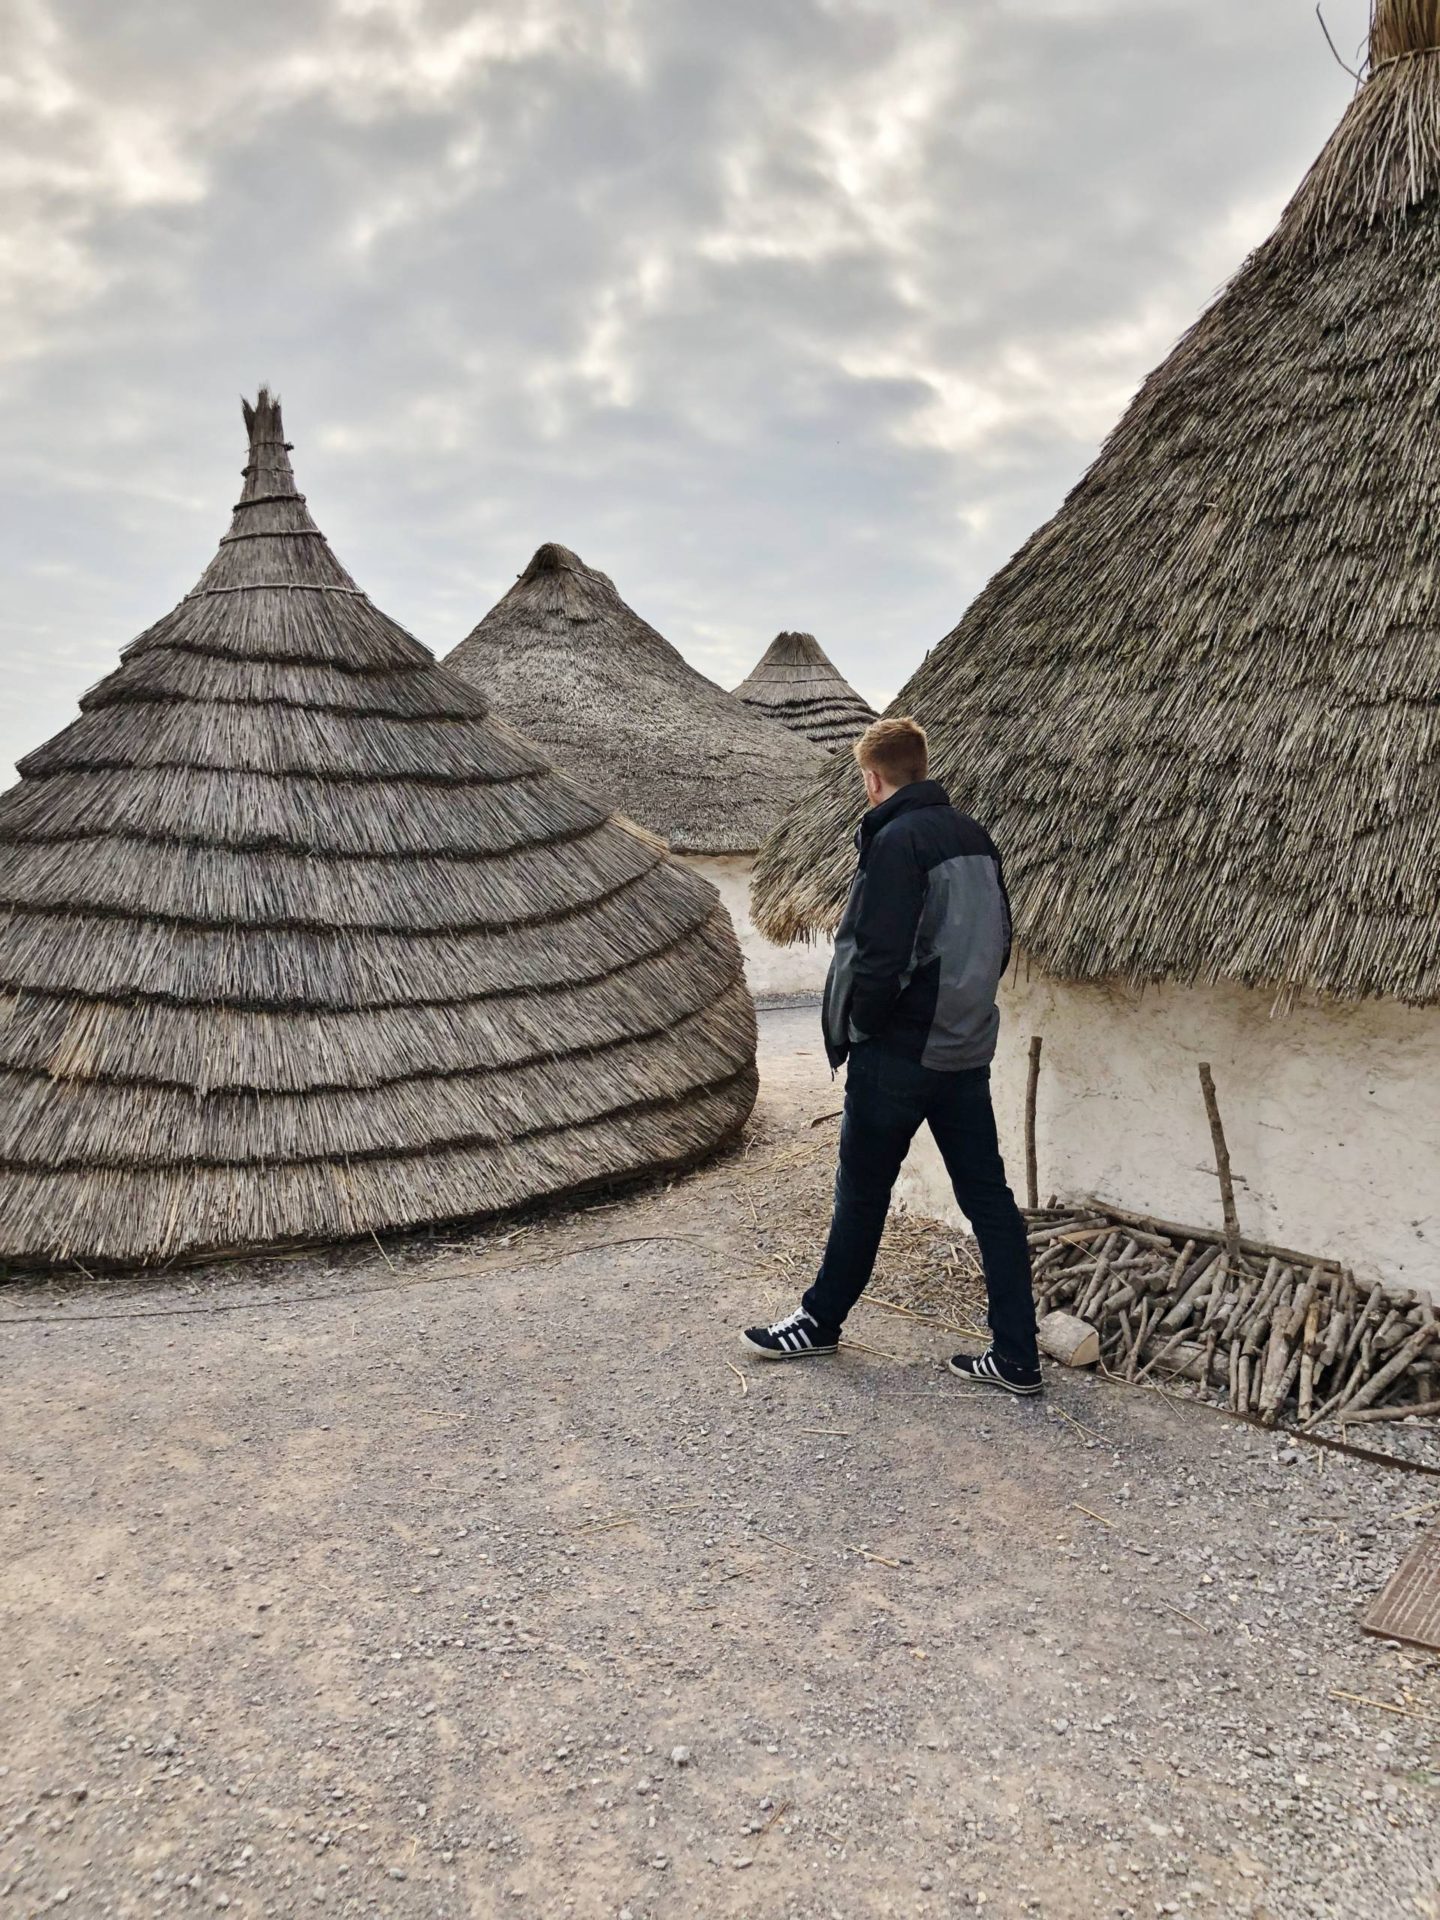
299,941
1399,28
797,683
1198,709
617,706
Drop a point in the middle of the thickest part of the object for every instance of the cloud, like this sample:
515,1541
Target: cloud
796,314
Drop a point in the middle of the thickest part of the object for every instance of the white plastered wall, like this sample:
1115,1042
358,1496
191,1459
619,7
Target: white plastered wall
1331,1113
768,969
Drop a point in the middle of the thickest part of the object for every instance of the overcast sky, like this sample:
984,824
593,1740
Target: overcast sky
785,313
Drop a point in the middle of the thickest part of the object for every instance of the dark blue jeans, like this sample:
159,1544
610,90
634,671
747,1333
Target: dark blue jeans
886,1100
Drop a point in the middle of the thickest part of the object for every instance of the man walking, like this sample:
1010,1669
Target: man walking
910,1000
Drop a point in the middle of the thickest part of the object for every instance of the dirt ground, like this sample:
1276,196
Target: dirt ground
483,1575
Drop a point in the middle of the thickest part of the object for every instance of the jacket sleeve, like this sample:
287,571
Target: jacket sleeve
885,928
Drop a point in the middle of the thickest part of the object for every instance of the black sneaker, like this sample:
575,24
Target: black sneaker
989,1370
796,1337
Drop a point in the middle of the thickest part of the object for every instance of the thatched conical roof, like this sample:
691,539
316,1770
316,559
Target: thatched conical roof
797,683
299,942
616,705
1199,709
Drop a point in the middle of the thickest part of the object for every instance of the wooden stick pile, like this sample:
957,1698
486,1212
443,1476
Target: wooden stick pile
1280,1334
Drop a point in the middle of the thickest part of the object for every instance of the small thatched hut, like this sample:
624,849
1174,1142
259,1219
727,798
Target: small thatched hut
797,683
616,705
298,941
1200,712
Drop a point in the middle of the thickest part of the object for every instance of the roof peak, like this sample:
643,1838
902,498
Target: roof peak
1382,163
796,647
553,558
267,472
1400,29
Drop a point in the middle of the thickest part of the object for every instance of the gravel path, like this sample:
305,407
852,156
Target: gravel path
468,1578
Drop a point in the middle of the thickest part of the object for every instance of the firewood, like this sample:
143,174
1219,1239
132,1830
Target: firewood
1308,1353
1287,1386
1051,1256
1074,1343
1126,1329
1097,1284
1132,1358
1366,1317
1372,1389
1272,1329
1212,1340
1353,1381
1301,1310
1183,1307
1404,1410
1258,1325
1336,1336
1235,1326
1276,1362
1218,1298
1191,1361
1084,1226
1176,1230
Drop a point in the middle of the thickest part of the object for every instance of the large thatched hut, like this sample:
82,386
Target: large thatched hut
616,705
300,941
797,683
1200,712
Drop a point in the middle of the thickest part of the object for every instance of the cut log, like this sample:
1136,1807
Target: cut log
1180,1312
1258,1325
1275,1364
1083,1227
1132,1359
1391,1371
1307,1362
1074,1343
1097,1286
1420,1410
1191,1361
1176,1231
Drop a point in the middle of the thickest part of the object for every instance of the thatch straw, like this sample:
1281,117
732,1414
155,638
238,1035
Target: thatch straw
1401,27
614,704
796,682
298,940
1383,162
1198,709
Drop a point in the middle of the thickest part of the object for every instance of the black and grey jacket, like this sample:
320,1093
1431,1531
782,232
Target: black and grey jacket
925,938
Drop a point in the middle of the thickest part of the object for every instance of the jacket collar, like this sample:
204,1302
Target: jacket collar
920,793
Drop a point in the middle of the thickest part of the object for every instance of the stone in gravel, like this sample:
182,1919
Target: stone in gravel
680,1756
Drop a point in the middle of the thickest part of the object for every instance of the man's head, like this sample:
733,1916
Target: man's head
892,754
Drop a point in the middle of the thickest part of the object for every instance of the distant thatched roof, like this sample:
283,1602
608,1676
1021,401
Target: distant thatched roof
797,683
296,941
615,704
1200,710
